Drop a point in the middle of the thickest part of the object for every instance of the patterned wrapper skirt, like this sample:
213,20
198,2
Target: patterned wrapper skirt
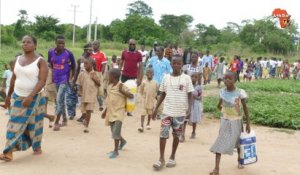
25,125
229,135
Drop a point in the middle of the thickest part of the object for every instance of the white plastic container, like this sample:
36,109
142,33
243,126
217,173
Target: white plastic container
248,148
130,103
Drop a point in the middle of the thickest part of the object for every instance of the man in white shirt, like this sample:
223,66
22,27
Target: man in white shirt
145,54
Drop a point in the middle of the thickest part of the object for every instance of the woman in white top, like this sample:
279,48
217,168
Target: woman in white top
25,125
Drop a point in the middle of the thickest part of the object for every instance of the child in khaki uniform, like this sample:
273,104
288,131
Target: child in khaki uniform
89,83
149,90
50,94
115,110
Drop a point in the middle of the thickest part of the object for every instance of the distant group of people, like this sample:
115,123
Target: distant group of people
264,68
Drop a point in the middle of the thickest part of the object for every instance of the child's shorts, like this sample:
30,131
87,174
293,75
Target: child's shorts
116,127
87,107
175,122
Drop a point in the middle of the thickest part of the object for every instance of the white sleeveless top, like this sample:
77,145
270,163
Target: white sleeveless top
26,77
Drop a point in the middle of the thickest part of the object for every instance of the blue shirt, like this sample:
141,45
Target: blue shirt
160,68
208,59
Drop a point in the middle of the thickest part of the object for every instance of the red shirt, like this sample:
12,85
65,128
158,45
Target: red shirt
216,60
100,59
131,60
234,66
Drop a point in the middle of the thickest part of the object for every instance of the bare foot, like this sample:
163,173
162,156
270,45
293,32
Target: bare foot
6,157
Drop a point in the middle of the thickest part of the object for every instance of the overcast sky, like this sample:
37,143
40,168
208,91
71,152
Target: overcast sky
216,12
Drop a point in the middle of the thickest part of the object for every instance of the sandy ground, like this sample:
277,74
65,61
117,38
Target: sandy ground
70,151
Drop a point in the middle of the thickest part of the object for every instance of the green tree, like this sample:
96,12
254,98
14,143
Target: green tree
46,27
139,8
264,36
7,35
207,35
175,24
21,25
118,30
139,28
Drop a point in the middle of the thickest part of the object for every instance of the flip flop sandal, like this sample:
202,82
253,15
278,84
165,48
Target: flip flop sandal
214,172
113,155
5,158
122,145
158,165
63,124
56,127
193,136
109,153
240,166
148,127
141,129
171,163
86,131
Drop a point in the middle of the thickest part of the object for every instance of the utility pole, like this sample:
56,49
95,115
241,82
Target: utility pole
90,24
0,27
95,34
74,26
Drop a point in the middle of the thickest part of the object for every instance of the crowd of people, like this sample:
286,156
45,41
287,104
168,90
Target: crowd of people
170,83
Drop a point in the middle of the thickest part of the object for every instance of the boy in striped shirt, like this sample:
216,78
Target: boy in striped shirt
176,92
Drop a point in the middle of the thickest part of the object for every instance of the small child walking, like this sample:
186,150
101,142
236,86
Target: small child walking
149,89
50,94
206,73
231,100
6,79
89,83
114,114
176,92
114,63
196,108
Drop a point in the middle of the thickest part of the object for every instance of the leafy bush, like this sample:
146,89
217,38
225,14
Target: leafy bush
272,85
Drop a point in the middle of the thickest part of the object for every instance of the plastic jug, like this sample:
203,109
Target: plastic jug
130,103
248,148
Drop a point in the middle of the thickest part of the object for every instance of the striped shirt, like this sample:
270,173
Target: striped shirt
176,89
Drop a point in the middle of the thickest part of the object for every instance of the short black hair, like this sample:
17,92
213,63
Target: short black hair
59,37
34,40
116,73
87,45
177,56
228,72
160,48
